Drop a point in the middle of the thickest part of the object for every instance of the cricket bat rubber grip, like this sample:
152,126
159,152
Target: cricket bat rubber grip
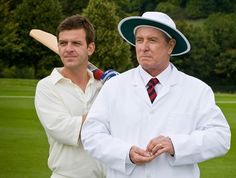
97,73
100,75
108,74
104,76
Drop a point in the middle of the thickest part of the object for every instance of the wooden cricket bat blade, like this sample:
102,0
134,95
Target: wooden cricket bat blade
47,39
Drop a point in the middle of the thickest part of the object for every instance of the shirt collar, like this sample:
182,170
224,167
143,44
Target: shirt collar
162,77
56,76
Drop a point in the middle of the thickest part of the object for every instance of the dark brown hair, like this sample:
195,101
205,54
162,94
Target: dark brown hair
78,22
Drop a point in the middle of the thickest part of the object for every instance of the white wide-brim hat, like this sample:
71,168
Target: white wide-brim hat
158,20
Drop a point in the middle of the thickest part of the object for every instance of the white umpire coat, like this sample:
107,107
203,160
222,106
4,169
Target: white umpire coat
185,110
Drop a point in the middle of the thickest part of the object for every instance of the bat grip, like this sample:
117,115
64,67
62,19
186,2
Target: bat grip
97,73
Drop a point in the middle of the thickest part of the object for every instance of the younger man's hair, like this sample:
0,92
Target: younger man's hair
78,22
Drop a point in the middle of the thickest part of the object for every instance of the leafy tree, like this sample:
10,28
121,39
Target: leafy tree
226,6
200,8
111,51
127,6
226,66
181,3
8,38
201,59
147,5
14,3
44,15
222,27
71,7
171,9
136,7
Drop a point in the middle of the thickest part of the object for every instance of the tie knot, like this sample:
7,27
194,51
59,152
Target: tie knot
153,82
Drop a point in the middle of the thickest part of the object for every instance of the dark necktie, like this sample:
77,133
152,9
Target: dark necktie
150,88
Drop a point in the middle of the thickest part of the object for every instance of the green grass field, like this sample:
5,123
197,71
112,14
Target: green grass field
24,147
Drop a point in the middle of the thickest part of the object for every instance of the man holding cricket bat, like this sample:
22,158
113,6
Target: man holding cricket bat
154,121
63,99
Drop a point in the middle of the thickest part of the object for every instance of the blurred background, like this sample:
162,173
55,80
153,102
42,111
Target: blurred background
209,25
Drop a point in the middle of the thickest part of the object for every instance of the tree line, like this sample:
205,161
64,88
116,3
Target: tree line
209,25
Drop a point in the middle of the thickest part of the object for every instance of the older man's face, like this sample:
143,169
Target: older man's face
152,49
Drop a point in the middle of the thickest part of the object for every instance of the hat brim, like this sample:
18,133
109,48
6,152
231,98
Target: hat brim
127,25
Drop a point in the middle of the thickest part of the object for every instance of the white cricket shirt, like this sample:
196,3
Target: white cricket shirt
60,105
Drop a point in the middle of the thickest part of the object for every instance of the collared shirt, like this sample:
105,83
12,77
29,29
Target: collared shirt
162,77
60,105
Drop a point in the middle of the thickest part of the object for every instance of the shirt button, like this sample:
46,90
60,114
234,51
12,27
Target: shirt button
151,111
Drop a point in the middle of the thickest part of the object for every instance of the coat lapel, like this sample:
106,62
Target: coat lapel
169,83
141,92
139,88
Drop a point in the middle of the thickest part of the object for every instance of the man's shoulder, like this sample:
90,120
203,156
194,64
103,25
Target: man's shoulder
53,78
127,74
192,81
120,80
47,81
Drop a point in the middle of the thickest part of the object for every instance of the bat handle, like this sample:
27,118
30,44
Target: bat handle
97,73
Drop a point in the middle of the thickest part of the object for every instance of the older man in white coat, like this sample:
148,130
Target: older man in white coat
153,120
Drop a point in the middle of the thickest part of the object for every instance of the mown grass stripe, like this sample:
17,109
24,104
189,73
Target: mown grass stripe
24,97
226,102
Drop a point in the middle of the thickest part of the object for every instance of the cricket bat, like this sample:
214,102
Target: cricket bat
49,40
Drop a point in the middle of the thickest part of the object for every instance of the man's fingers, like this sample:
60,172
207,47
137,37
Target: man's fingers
156,148
160,145
139,156
142,152
154,143
160,151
